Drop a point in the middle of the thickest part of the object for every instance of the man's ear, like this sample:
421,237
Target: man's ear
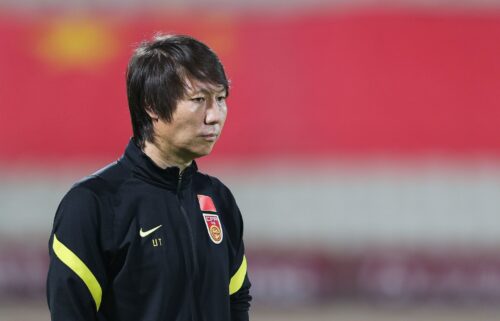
154,116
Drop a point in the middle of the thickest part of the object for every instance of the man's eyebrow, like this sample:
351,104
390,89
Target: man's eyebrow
206,90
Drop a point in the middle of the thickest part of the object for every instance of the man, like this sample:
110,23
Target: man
149,237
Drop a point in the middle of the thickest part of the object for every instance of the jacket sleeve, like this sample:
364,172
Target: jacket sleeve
76,276
239,286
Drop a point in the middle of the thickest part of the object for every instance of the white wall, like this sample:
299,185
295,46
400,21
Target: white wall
333,205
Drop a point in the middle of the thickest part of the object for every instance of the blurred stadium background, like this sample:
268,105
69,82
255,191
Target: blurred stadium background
363,145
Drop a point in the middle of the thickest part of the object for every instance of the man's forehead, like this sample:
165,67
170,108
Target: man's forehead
194,86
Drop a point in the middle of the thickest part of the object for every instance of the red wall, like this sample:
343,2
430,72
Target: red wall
355,84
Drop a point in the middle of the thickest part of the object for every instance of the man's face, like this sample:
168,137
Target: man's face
196,123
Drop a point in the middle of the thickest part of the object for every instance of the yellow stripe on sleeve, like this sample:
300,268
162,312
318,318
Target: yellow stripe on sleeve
76,265
238,278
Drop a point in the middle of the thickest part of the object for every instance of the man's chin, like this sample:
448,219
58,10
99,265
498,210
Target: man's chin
203,152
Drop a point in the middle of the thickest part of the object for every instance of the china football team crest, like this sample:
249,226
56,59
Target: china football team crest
213,226
212,221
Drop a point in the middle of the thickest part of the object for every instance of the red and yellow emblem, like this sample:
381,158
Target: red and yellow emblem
214,227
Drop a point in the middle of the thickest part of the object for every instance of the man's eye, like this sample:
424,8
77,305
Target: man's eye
198,99
221,98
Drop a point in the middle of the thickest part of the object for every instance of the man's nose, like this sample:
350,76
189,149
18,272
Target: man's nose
215,112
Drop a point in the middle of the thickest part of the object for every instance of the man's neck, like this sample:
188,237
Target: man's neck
164,159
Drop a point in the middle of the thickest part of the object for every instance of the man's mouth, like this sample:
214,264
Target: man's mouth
209,136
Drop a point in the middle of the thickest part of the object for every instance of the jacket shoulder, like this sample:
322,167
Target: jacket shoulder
87,206
212,181
214,184
106,180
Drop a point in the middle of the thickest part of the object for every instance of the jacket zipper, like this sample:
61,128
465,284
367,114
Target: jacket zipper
190,229
193,246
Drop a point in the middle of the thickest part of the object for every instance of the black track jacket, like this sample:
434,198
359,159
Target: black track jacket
140,243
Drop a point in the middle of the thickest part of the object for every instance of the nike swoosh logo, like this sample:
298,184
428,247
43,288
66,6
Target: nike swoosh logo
146,233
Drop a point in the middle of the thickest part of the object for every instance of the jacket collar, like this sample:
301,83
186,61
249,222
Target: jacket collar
143,167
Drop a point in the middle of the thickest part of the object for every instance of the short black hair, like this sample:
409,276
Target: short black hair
157,74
